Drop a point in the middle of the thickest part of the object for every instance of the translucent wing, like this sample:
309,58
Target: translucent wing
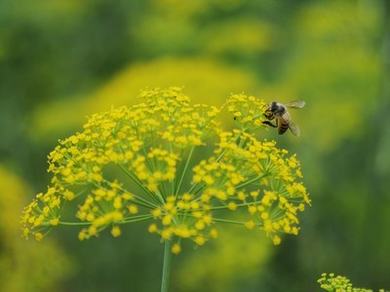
294,129
296,104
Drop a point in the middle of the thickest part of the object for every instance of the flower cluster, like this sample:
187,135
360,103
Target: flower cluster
332,283
247,110
170,162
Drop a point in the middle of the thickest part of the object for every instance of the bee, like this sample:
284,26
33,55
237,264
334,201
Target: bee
278,112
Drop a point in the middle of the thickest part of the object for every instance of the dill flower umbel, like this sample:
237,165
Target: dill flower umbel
332,283
170,162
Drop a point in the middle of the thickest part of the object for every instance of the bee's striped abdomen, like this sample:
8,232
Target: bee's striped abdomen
284,122
283,126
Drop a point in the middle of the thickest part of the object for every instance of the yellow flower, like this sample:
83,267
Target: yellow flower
68,195
54,221
166,234
176,248
156,213
38,236
232,206
116,231
252,209
133,209
213,233
331,282
152,228
157,146
276,240
200,240
250,224
166,220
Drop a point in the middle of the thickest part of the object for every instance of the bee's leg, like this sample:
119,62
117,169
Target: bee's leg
268,123
269,115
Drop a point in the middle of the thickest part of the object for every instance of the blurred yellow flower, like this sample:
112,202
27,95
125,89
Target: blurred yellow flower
245,36
206,80
174,27
25,266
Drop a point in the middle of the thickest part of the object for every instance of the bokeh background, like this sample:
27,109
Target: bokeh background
62,60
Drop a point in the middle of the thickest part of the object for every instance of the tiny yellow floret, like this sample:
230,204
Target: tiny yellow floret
176,248
116,231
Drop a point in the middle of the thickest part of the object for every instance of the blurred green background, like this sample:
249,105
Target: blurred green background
62,60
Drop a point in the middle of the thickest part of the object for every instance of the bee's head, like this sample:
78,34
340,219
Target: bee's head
277,108
274,106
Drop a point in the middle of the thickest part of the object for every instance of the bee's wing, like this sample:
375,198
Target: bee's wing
296,104
294,128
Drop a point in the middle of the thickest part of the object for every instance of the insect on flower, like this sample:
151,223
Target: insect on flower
278,112
148,162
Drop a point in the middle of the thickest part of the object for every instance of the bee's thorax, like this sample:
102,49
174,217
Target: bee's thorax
277,108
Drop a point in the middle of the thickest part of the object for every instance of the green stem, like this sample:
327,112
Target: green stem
139,184
130,219
166,266
228,221
74,223
135,219
237,205
193,187
248,182
184,171
231,221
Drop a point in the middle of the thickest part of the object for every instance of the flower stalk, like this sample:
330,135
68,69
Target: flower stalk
166,271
